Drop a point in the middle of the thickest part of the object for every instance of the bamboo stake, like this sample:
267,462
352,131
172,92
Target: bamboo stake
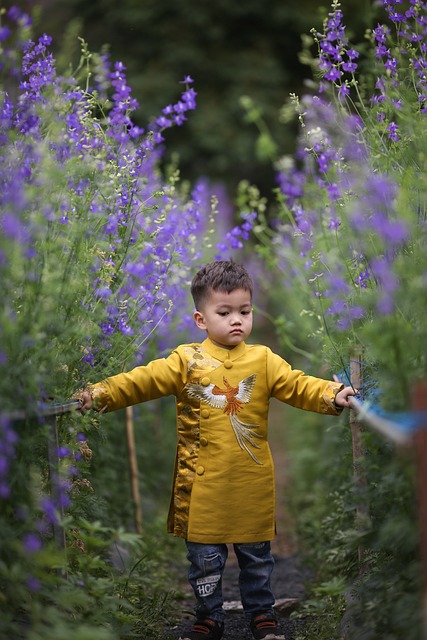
53,458
133,469
420,441
360,479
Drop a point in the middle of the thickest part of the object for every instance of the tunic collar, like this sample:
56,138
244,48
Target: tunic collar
221,354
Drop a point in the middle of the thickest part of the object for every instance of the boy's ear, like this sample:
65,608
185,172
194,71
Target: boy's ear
199,320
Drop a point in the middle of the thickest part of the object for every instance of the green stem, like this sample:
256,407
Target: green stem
290,344
334,346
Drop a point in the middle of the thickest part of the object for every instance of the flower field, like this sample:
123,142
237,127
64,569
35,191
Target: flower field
348,236
99,239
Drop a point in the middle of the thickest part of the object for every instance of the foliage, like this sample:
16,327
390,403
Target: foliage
348,234
349,229
96,244
109,585
381,596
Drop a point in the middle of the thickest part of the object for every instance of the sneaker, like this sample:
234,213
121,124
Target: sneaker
205,630
264,627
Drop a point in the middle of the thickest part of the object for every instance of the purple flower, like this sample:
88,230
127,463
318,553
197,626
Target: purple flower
343,323
291,183
49,510
357,312
380,33
8,441
180,107
103,292
387,282
333,74
32,543
337,307
350,67
334,223
362,279
63,452
33,583
13,227
352,54
334,191
324,162
4,465
72,471
343,91
233,239
45,40
338,284
395,16
189,97
330,50
392,130
5,492
63,497
163,122
4,33
381,51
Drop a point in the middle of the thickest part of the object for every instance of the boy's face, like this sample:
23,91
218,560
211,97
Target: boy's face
226,317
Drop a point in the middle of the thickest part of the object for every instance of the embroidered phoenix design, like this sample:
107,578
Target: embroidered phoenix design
231,400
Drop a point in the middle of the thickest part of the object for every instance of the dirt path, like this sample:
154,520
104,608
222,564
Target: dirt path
288,583
289,577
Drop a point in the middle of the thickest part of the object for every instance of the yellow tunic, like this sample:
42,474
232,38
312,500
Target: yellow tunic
224,485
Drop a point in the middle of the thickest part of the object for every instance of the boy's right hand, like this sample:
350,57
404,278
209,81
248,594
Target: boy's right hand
85,401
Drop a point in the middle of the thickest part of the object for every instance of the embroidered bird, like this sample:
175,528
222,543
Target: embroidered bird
231,400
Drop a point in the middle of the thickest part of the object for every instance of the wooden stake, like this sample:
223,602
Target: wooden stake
53,459
133,469
420,441
360,479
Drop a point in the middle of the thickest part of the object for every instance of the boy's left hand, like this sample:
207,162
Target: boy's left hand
341,399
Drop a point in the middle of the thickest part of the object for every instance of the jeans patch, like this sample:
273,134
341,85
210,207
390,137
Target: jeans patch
207,585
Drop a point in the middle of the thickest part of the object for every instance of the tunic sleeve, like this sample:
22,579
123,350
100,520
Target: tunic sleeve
293,387
163,377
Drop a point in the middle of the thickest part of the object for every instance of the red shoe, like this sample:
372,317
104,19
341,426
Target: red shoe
206,629
264,627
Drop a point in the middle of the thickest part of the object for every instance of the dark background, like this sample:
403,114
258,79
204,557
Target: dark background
230,49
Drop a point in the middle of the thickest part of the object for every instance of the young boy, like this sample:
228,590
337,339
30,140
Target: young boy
224,486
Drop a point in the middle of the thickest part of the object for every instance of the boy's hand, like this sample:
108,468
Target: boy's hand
341,399
85,401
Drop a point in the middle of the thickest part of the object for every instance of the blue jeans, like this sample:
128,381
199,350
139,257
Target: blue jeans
205,576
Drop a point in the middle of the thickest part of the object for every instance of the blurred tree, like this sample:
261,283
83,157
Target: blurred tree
231,49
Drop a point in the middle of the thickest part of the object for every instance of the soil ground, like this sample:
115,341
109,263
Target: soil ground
288,582
289,576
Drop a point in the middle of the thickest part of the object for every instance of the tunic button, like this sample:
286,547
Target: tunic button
205,413
228,364
205,382
200,471
204,442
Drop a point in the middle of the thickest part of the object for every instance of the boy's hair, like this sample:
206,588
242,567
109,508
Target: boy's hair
221,275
